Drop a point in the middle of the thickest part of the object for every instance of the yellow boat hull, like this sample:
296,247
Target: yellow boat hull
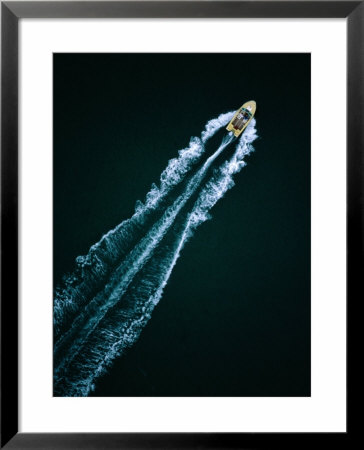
242,118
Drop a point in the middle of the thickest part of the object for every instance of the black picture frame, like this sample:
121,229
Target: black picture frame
11,12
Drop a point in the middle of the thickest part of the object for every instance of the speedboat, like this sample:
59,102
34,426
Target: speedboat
242,118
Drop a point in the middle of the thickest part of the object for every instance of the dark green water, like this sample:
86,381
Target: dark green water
234,319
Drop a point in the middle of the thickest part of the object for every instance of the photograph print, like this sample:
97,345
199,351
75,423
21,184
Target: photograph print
181,224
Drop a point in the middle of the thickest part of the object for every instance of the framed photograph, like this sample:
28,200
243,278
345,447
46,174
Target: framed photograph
181,206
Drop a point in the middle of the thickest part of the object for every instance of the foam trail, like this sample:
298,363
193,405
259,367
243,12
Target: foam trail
122,326
92,270
86,322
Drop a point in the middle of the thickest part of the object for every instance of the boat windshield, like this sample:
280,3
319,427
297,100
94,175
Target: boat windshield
246,113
